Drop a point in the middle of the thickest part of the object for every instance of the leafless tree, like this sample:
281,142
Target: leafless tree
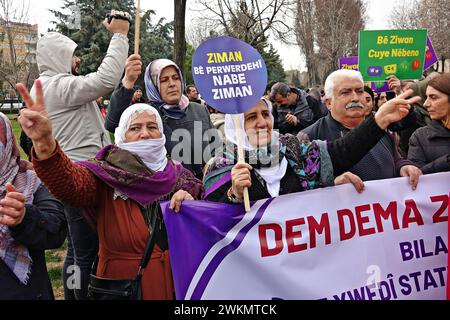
338,23
305,36
17,65
179,33
249,20
199,31
327,30
431,15
404,15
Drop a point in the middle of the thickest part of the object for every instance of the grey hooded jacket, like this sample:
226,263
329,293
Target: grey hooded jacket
70,100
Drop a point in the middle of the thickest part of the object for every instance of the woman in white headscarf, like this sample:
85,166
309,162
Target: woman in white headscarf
31,221
120,190
164,86
281,164
151,151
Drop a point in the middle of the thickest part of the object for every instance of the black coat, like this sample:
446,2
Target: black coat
429,148
43,227
381,162
301,109
26,144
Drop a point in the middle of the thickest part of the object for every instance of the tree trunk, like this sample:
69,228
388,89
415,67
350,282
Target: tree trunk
179,33
312,70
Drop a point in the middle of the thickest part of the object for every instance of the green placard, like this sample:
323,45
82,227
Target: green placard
392,52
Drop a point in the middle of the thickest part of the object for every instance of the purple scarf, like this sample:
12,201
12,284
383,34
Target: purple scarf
126,173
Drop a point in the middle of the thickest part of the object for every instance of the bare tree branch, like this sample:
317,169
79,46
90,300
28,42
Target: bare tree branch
16,65
327,30
431,15
250,20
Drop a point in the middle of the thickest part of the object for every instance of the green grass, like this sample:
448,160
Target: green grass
55,261
54,258
55,273
16,130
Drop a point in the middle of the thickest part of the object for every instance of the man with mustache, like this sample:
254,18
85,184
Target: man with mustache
344,91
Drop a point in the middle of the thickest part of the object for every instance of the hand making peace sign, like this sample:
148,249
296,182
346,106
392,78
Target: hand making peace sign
35,122
396,109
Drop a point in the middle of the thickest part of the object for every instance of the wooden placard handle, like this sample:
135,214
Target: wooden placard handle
137,27
241,158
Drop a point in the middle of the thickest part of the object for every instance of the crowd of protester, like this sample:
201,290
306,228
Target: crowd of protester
105,197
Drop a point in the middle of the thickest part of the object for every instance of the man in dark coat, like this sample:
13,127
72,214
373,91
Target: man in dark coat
295,109
344,91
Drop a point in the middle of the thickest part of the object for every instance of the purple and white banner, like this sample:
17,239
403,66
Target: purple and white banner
387,243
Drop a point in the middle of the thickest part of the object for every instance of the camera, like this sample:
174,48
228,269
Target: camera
118,15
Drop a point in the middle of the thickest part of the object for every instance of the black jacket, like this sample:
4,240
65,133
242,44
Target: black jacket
43,227
26,144
381,162
301,109
318,109
429,148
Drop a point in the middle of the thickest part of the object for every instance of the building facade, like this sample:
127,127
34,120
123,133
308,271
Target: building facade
17,56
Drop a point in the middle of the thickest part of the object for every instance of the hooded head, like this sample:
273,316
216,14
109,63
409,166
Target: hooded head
54,54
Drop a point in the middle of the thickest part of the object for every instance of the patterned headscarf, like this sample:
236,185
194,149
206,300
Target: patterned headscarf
153,87
15,171
276,168
304,157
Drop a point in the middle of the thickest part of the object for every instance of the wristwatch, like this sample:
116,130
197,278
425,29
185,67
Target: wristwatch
232,197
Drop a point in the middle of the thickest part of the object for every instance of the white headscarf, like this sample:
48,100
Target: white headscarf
151,151
272,175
